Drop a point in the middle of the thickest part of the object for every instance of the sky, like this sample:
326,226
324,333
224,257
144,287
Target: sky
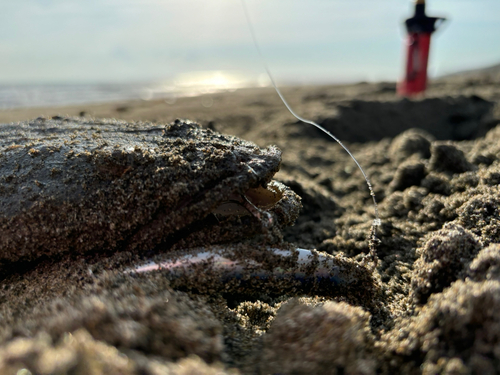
303,41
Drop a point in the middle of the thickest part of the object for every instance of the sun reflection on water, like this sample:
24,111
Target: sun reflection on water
203,82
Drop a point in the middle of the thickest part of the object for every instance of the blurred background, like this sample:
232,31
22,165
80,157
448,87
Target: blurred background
56,52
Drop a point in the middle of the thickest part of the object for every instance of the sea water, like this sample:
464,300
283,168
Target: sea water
182,85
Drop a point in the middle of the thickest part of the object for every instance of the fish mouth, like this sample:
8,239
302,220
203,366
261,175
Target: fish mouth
252,201
259,210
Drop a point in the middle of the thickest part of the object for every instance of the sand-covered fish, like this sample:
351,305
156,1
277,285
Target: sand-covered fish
81,185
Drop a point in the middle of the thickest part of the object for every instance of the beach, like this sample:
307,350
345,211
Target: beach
426,291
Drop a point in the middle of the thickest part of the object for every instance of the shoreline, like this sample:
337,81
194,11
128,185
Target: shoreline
238,100
222,100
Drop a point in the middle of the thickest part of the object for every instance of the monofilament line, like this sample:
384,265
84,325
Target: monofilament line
376,221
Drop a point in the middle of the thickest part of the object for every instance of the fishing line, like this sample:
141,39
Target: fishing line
376,221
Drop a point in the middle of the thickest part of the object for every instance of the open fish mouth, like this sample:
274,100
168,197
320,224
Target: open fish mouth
256,211
72,185
252,200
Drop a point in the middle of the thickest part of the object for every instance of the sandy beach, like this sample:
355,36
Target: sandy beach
421,295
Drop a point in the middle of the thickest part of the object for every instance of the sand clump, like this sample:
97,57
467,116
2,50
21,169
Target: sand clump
78,353
486,265
411,142
326,338
457,331
481,215
443,259
134,315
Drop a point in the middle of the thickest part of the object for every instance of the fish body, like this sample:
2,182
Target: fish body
74,185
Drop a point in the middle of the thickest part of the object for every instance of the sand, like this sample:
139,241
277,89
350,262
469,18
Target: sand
432,302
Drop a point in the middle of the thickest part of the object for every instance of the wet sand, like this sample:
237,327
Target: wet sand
429,303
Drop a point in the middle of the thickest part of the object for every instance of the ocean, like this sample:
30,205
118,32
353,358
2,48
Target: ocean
50,95
186,84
